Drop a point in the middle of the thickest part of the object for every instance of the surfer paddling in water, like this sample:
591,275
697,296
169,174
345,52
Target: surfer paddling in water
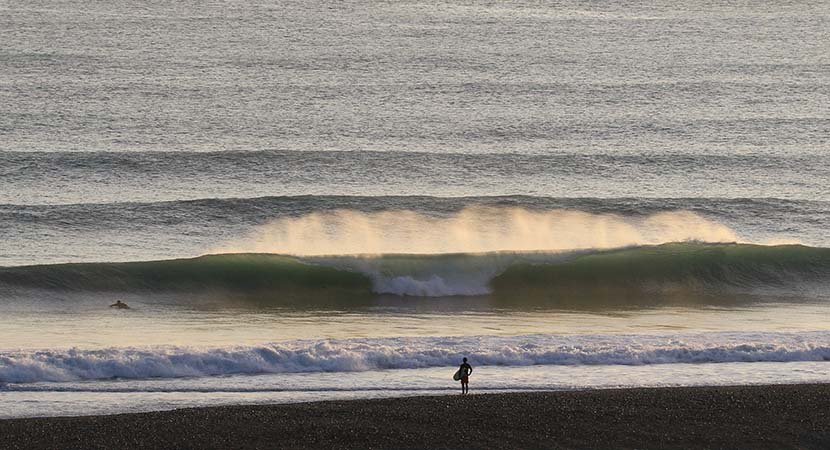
119,305
463,374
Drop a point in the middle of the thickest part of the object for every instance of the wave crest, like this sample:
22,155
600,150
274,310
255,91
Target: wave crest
631,272
475,229
354,355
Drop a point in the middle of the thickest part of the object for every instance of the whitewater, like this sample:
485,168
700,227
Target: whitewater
308,201
361,355
359,303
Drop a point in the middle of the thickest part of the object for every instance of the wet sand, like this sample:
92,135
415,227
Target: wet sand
746,417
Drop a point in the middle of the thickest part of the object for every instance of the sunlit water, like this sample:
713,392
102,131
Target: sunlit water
150,131
92,325
512,350
112,397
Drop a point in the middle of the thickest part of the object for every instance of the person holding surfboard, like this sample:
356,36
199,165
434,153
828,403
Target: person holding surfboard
463,374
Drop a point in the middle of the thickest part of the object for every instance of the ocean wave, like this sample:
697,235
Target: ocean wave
107,176
292,205
371,354
645,270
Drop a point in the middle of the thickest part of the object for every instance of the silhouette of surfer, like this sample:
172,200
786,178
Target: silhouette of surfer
120,305
465,370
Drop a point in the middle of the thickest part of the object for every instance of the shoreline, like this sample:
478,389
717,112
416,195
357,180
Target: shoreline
763,416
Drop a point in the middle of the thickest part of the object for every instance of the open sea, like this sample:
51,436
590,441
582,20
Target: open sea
311,200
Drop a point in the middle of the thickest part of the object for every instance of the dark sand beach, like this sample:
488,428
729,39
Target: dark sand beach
751,417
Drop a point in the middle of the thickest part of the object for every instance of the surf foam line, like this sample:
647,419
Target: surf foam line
115,389
358,355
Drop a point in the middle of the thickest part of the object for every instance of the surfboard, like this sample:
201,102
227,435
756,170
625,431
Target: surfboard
457,375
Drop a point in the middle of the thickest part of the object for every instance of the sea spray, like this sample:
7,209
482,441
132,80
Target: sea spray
473,230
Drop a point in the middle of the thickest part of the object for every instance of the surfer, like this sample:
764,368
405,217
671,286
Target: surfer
120,305
465,370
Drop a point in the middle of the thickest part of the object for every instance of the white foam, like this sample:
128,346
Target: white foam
438,275
352,355
434,286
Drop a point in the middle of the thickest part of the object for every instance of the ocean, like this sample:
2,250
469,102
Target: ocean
304,201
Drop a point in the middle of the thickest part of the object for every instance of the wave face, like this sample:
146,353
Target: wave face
646,270
232,273
687,266
355,355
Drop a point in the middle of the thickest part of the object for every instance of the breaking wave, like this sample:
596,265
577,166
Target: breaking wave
355,355
688,267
